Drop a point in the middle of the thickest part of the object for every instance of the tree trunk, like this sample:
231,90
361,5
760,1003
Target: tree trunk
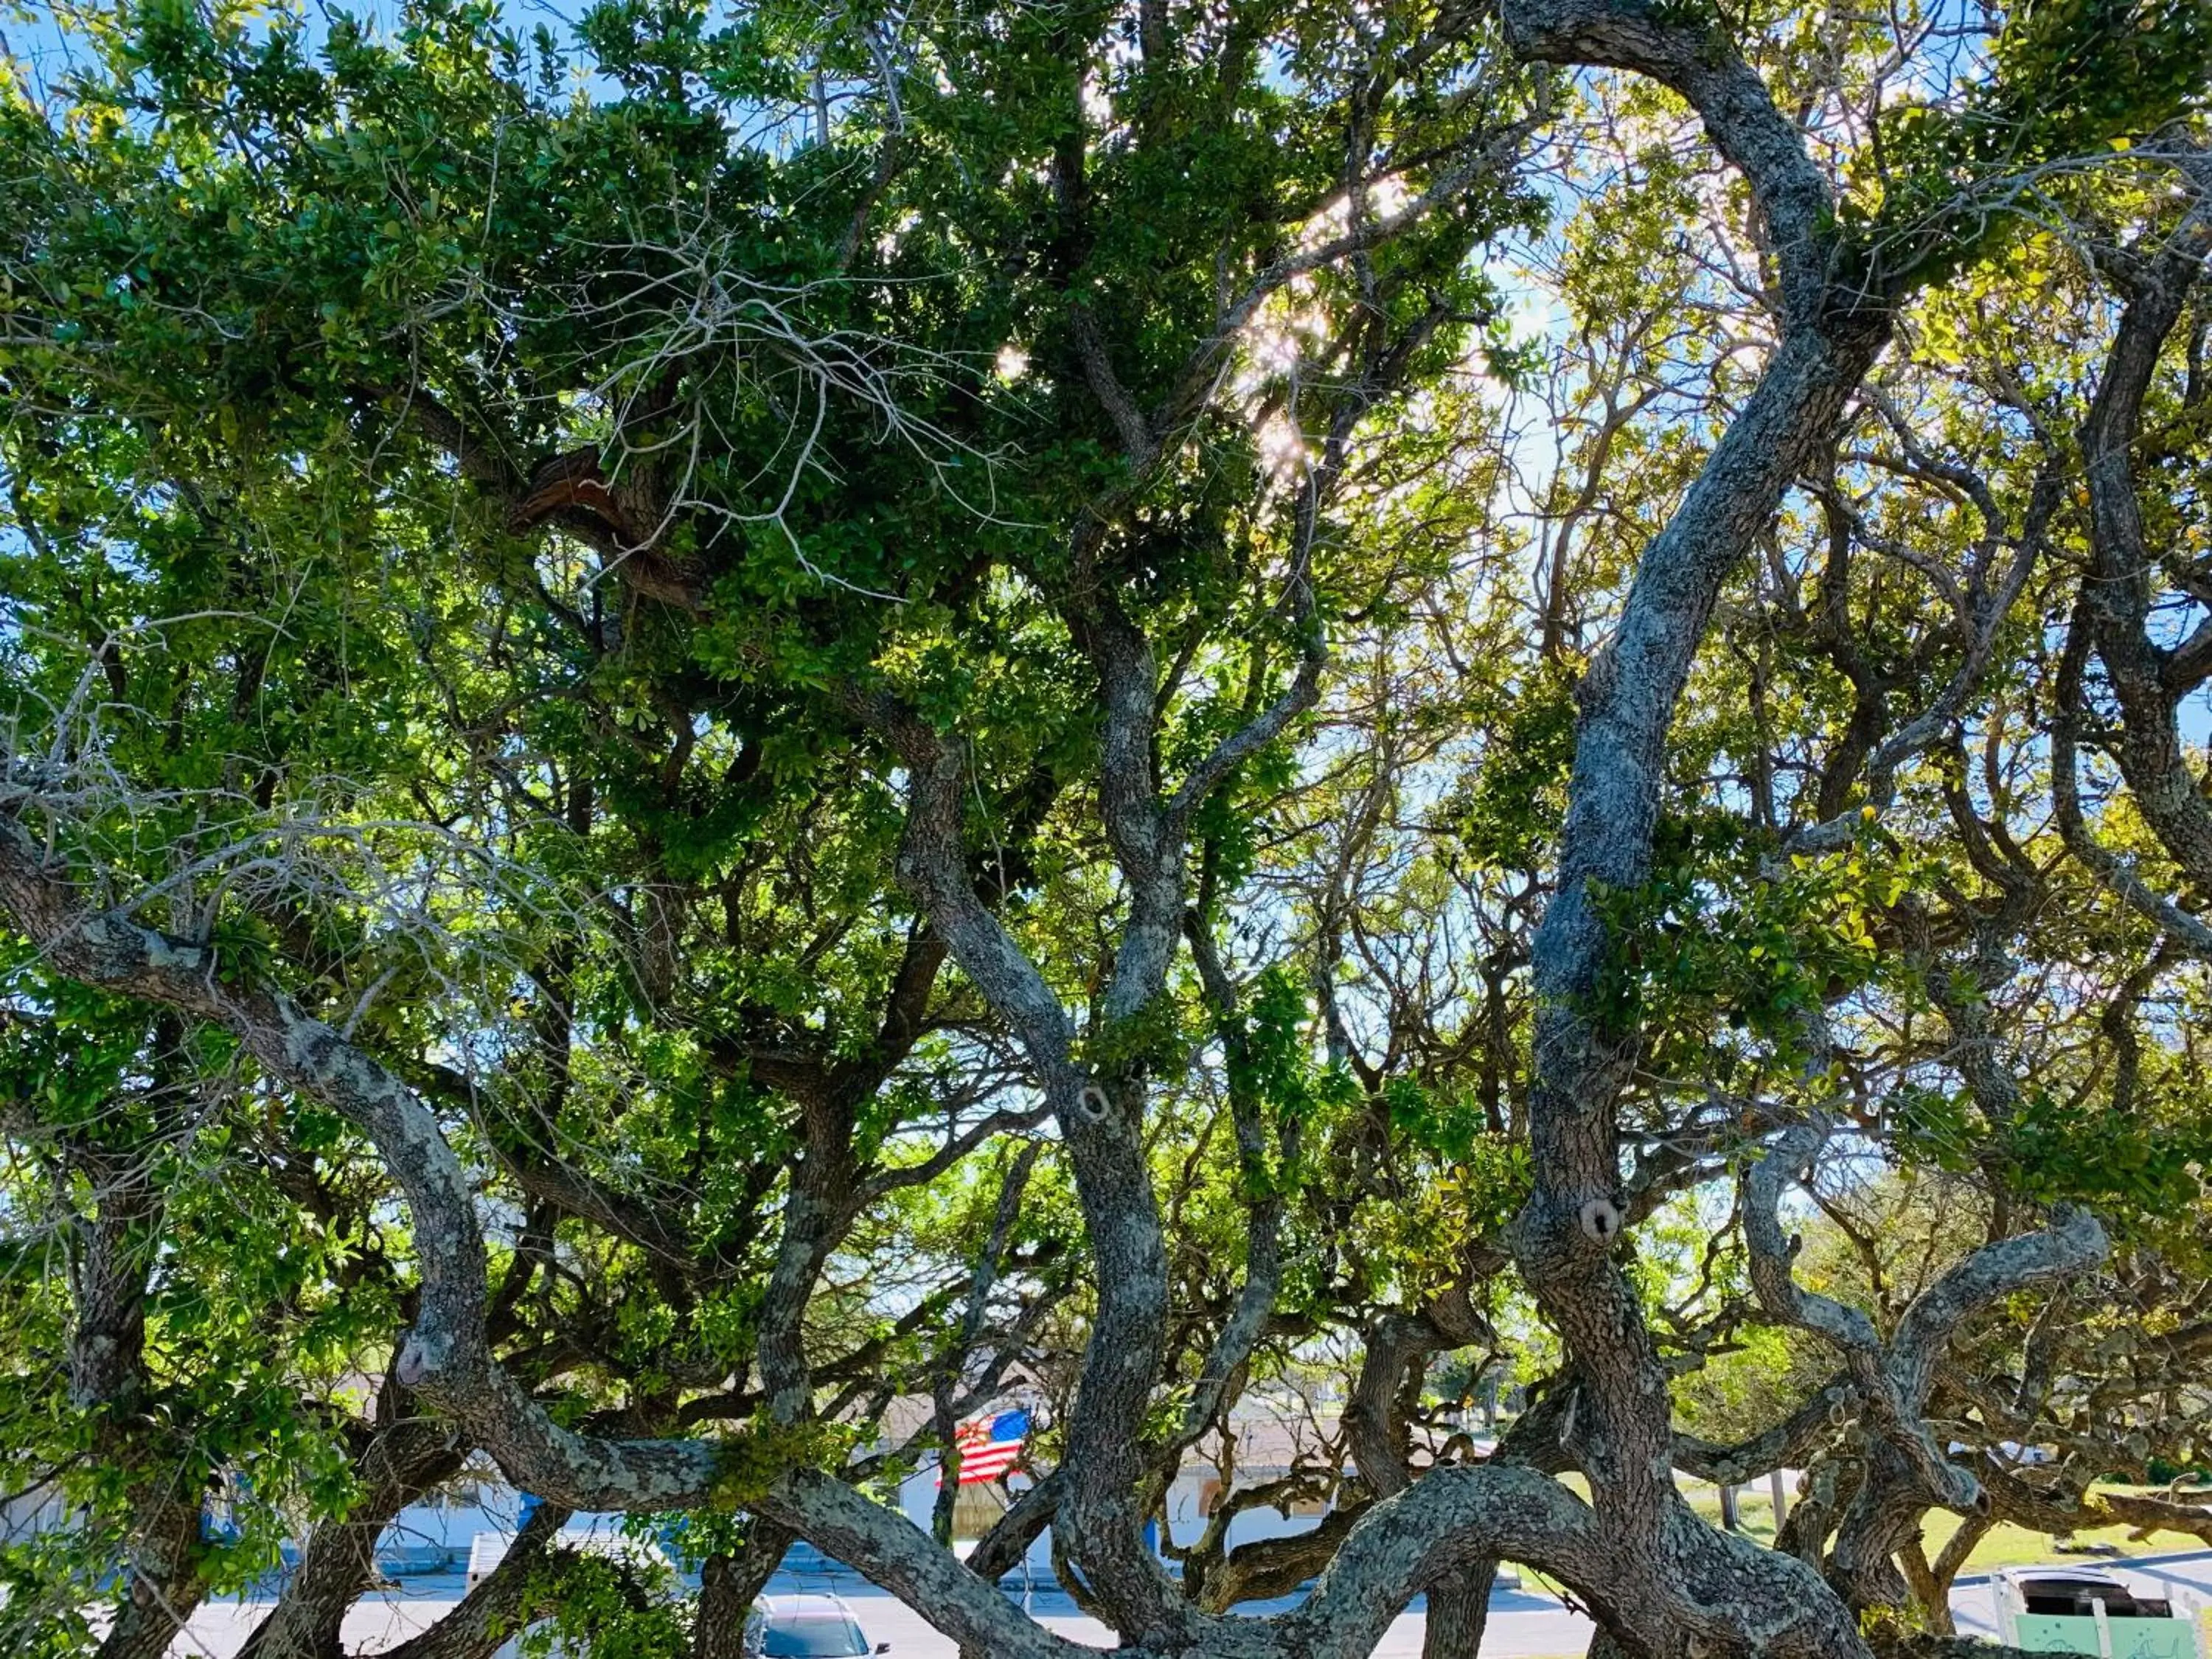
398,1464
113,1251
504,1601
728,1586
163,1576
1882,1521
1931,1582
1457,1612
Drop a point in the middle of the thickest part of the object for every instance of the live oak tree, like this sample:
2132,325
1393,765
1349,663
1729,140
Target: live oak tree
764,711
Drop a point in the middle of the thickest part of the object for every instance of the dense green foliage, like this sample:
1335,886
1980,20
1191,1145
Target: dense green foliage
501,524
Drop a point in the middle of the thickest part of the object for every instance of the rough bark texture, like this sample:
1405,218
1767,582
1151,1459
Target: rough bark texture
1676,1582
112,1255
1458,1613
521,1588
1905,1471
1658,1579
164,1586
2148,680
729,1585
402,1458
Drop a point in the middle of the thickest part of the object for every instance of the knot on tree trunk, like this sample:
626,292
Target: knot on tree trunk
422,1359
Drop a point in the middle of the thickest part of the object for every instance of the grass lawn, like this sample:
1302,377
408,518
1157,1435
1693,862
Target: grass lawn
2007,1546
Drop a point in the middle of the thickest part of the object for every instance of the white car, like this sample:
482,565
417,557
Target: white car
805,1627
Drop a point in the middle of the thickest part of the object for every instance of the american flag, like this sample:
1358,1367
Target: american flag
989,1446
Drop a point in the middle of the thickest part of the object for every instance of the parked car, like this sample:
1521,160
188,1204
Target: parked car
805,1627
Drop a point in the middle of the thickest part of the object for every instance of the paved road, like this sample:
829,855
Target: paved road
1524,1624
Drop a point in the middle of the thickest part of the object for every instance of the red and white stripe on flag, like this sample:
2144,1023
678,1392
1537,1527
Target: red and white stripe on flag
990,1446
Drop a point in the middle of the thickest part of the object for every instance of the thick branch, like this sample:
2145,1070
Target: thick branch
525,1585
1702,63
445,1358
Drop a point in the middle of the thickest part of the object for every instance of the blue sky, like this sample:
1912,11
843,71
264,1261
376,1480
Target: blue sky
36,36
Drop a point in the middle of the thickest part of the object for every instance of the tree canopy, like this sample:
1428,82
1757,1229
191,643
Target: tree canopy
723,715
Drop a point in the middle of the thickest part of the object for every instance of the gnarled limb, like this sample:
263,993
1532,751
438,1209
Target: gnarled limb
2018,1502
1702,63
1906,1468
523,1586
1439,1527
1781,1446
1893,1377
445,1358
398,1460
729,1584
1563,1237
2116,599
905,1560
1001,1550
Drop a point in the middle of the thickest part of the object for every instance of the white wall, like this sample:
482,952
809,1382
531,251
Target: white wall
28,1514
1186,1522
498,1507
918,1497
448,1525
